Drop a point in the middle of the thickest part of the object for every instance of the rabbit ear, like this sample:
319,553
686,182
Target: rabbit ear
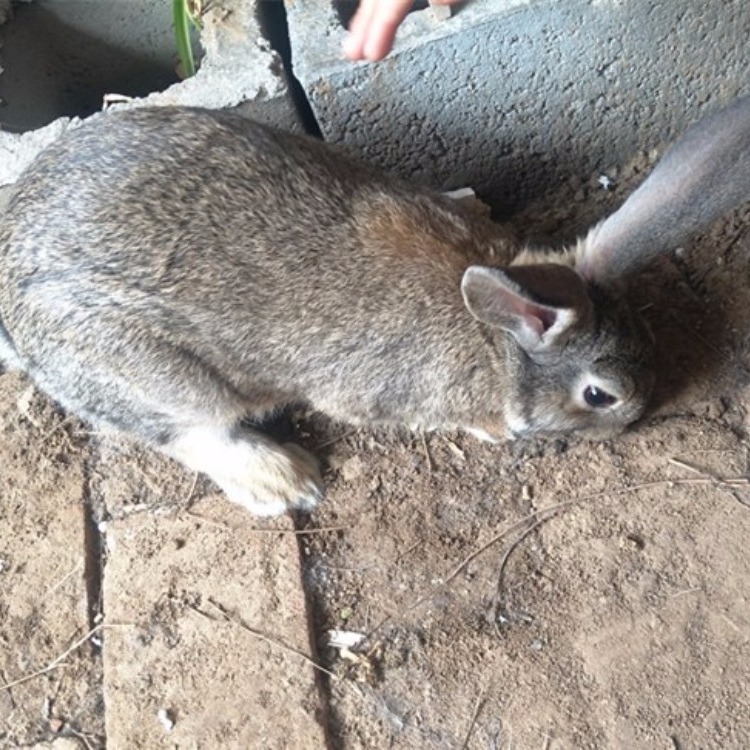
703,175
537,304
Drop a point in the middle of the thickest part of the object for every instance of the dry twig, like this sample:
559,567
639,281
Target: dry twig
81,736
315,530
548,513
474,718
499,605
269,530
189,497
55,663
729,485
539,517
233,618
337,439
60,424
65,578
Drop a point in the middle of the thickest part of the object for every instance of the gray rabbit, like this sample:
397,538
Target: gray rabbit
172,272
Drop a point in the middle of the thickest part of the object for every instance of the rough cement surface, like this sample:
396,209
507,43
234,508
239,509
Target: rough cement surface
63,57
193,600
238,70
43,598
515,97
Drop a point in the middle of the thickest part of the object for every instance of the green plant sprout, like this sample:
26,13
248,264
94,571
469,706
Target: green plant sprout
186,14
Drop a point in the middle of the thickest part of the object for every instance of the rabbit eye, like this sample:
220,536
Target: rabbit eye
597,398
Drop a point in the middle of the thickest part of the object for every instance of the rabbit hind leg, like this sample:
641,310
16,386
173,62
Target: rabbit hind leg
183,408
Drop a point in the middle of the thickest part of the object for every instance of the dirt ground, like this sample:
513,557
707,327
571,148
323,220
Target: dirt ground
545,595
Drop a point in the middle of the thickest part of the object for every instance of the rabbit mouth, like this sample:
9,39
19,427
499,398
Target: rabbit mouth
593,434
511,426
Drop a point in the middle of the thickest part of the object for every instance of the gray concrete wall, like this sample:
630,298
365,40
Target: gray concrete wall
515,97
61,57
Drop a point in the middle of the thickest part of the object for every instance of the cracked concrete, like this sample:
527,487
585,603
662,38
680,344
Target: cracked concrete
238,70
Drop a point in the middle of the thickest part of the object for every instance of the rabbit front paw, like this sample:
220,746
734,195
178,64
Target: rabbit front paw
269,482
266,478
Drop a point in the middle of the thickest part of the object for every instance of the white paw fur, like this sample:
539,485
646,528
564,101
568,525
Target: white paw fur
266,478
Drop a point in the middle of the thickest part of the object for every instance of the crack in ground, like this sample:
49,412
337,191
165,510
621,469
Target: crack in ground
327,716
93,546
94,554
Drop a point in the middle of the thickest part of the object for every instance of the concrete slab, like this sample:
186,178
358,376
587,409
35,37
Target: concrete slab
515,97
43,602
238,70
63,57
62,743
207,634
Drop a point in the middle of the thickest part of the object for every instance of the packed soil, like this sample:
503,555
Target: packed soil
562,593
544,594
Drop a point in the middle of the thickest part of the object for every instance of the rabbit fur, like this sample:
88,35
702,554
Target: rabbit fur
181,274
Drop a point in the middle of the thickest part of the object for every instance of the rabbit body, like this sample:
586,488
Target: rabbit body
170,272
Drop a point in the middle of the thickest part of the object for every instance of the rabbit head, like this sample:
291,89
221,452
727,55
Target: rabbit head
588,359
578,359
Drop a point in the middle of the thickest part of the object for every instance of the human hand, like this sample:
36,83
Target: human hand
373,27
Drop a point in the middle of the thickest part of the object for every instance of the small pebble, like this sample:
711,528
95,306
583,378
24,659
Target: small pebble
56,724
352,469
165,719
